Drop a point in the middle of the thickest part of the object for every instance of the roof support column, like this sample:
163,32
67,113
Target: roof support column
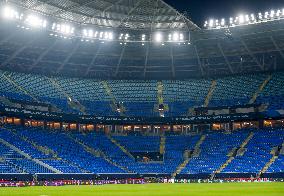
225,57
277,47
252,56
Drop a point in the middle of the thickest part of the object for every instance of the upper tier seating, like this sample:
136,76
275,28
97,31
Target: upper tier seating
273,93
140,97
231,91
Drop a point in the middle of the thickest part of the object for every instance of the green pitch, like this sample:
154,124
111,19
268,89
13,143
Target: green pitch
234,189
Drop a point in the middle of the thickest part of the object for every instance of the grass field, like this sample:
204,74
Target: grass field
233,189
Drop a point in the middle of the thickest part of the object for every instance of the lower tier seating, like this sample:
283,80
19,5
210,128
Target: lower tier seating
96,153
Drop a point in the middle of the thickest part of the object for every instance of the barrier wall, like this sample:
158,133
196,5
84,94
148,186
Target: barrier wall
43,177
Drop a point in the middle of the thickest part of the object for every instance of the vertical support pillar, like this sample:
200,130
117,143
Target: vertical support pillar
231,126
260,124
171,127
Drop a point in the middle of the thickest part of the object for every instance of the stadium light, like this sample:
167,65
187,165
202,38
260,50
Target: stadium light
35,21
245,19
206,23
252,16
181,37
170,37
127,36
211,23
91,33
108,36
223,22
101,35
241,19
143,37
124,36
278,13
266,14
158,37
175,37
10,13
63,28
272,13
231,21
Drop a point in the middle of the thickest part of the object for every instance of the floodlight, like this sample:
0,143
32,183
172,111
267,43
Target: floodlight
206,23
143,37
278,13
126,36
85,33
158,37
217,22
106,35
35,21
247,18
110,36
66,29
266,15
223,22
170,37
241,19
181,37
63,28
252,17
211,23
272,13
101,35
175,37
10,13
90,33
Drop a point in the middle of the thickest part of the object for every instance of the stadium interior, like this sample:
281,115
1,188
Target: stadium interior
128,89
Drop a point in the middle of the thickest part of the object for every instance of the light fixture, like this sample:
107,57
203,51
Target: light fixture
175,37
241,19
63,28
35,21
10,13
158,37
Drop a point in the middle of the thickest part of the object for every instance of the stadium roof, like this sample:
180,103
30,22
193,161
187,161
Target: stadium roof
255,47
252,48
133,14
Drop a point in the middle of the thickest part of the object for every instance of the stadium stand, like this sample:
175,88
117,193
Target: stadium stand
139,98
136,90
96,153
